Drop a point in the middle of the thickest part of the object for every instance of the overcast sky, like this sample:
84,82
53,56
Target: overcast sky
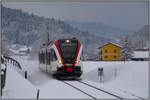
124,15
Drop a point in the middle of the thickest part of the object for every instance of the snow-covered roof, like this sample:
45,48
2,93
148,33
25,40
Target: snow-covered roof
24,48
141,54
110,43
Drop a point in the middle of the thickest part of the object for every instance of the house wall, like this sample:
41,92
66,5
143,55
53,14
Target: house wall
109,55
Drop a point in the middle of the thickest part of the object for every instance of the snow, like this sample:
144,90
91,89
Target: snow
24,48
3,66
94,92
35,75
128,79
19,49
140,54
58,90
17,87
112,90
131,76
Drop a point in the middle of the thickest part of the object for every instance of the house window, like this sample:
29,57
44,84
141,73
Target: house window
105,57
115,56
105,51
115,51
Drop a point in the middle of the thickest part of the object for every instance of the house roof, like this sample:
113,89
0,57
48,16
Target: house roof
110,43
140,54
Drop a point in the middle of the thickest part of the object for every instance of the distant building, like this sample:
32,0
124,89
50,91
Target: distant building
140,56
110,52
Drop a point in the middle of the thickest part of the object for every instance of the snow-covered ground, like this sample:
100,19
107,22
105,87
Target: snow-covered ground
18,87
130,77
55,89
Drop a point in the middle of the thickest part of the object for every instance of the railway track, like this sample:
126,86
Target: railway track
91,91
120,93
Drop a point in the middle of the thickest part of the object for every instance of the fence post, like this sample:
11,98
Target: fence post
101,74
25,74
115,73
3,78
38,94
1,91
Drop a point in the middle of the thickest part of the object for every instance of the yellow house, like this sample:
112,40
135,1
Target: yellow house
110,51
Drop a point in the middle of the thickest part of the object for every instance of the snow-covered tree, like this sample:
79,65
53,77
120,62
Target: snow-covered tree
28,29
4,47
127,48
140,38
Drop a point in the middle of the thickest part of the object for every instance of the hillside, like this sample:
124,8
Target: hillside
99,29
31,30
140,38
24,29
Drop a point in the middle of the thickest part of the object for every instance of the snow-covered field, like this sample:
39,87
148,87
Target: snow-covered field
129,77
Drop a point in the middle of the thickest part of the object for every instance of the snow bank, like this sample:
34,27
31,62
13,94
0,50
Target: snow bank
18,87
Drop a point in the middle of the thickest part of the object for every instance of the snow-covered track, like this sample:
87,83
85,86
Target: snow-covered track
91,91
80,90
101,90
120,94
126,92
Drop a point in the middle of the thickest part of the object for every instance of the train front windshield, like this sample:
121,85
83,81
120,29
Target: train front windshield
68,50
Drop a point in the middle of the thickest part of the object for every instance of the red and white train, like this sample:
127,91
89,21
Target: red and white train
62,58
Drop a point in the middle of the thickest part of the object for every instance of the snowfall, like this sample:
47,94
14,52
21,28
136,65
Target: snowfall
130,77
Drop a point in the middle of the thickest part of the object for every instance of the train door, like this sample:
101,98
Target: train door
53,60
42,60
48,61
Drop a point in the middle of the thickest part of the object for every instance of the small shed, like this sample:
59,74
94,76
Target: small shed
141,56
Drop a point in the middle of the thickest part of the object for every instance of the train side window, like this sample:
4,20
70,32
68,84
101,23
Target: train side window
40,58
53,55
82,57
53,59
46,57
43,58
49,55
45,61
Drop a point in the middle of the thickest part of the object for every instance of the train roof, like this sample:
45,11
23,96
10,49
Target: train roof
50,43
68,39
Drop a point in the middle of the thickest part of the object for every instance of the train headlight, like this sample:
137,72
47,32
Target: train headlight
77,61
60,61
67,41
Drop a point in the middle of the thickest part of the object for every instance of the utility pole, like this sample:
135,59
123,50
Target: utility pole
47,30
77,35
